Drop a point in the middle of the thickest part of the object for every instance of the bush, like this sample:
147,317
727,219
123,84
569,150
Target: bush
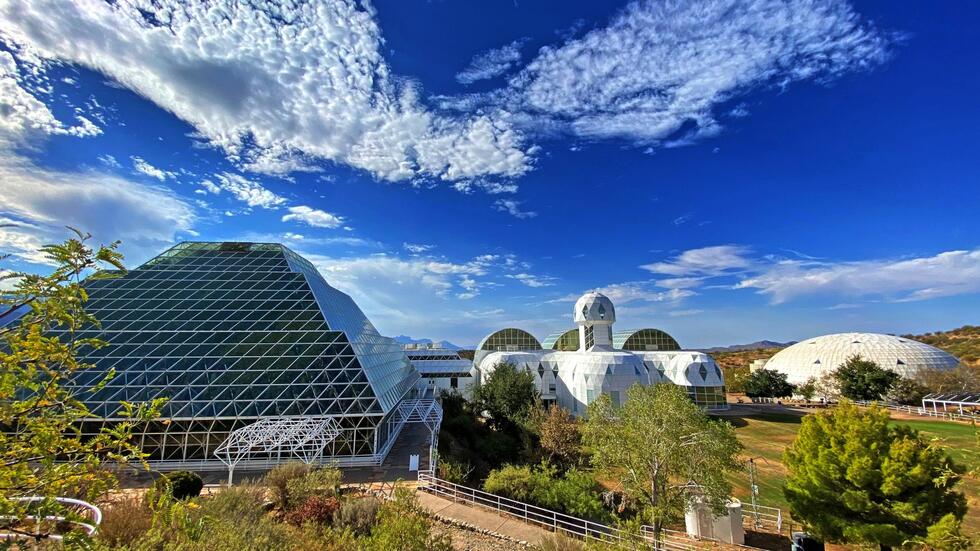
403,526
278,480
318,482
560,542
454,471
357,515
242,501
316,509
577,493
180,484
125,521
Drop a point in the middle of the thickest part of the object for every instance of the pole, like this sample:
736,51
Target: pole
755,491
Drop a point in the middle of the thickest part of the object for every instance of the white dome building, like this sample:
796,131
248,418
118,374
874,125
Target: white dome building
573,375
821,355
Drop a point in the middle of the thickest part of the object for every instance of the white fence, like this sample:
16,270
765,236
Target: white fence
670,540
925,412
761,517
47,524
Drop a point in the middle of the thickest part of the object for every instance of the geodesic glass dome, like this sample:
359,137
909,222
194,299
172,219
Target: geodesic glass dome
821,355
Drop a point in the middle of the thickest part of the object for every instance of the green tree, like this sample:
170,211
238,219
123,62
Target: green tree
766,383
42,450
906,392
561,437
506,397
854,478
664,450
861,379
808,389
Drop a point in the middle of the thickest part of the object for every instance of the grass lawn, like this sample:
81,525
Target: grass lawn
765,435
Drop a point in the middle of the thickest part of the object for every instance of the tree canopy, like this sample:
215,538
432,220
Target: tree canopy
767,383
561,437
854,478
507,396
42,450
664,450
861,379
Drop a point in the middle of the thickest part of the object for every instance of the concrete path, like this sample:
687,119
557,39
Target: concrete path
483,518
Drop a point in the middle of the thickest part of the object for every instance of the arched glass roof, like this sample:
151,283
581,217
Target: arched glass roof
644,339
563,340
511,339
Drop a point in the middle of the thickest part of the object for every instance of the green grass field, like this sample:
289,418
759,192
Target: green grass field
765,436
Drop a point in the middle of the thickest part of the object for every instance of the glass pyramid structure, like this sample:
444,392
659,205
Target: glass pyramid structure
234,332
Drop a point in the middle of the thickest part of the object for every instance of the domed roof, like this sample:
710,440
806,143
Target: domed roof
820,355
594,307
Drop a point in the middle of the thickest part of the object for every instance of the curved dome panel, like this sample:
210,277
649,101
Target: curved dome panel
511,339
644,339
820,355
566,341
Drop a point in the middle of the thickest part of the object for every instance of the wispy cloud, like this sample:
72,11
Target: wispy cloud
513,208
248,191
145,168
313,217
910,279
532,280
417,248
491,63
705,261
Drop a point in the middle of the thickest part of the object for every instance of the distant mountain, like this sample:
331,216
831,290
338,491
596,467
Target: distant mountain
405,339
758,345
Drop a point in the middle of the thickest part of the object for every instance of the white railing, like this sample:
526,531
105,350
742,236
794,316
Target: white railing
670,540
925,412
762,517
88,517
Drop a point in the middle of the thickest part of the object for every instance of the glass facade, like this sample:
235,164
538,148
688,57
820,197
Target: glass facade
511,340
644,339
708,397
566,341
233,332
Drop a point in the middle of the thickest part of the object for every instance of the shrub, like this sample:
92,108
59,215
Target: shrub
125,521
242,501
357,515
402,526
278,480
318,482
181,484
560,542
522,483
454,471
578,494
316,509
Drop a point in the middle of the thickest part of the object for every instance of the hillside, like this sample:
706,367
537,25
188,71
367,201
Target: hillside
964,342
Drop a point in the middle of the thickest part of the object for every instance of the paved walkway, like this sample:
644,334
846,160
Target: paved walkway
483,518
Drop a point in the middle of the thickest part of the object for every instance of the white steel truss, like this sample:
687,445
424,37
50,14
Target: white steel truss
304,438
426,411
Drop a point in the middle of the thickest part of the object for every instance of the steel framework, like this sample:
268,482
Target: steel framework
304,438
426,411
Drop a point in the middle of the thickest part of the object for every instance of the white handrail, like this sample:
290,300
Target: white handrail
670,540
90,528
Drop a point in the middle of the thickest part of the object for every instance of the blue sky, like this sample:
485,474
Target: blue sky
727,171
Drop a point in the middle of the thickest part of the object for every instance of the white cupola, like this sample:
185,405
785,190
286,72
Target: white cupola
594,314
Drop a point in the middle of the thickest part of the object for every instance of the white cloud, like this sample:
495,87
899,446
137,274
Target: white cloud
660,65
210,187
531,280
277,90
706,261
108,160
313,217
491,188
41,202
491,63
513,208
635,291
146,168
249,192
417,248
23,114
945,274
